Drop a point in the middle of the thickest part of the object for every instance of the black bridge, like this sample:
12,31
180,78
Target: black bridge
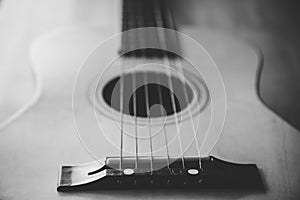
213,173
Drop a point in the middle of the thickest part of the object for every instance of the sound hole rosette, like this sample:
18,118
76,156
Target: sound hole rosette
86,120
199,101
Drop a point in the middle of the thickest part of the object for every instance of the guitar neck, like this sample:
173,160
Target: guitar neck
143,14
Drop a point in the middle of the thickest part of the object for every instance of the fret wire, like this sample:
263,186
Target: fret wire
165,60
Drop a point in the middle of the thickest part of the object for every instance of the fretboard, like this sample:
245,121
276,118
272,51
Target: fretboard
144,13
147,13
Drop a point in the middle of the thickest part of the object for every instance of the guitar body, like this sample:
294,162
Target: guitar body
35,145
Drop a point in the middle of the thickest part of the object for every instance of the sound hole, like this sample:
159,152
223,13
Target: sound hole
161,100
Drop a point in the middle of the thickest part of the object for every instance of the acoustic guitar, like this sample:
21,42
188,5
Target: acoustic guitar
151,112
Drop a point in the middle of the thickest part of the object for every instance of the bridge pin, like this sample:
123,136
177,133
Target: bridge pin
128,171
193,171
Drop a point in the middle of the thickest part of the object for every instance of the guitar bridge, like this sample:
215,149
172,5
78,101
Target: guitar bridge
213,174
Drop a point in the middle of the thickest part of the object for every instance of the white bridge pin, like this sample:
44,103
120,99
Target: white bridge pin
128,171
193,171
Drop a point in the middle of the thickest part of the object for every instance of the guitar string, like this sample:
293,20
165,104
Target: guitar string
158,79
129,63
138,24
164,125
134,97
148,114
122,116
148,120
161,38
135,121
143,54
135,111
179,63
133,64
124,62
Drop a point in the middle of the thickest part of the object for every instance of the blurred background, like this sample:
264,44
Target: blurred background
274,25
